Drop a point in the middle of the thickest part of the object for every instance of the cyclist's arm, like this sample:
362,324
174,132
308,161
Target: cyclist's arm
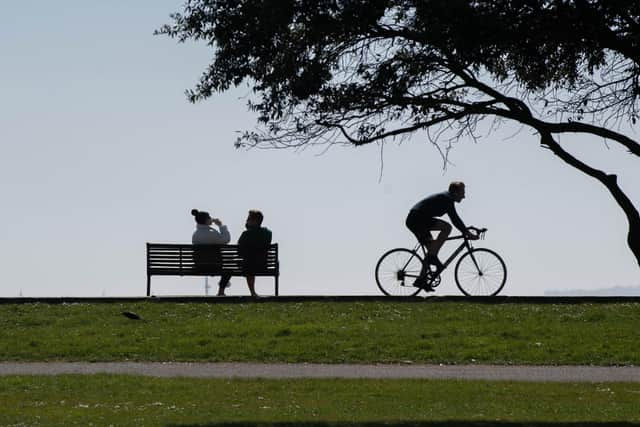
455,219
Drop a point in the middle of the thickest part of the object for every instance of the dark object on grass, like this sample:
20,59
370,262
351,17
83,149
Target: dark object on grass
131,315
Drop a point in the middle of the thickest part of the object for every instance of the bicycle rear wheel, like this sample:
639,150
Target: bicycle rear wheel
396,272
481,272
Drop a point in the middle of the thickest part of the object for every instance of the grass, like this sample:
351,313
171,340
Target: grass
140,401
333,332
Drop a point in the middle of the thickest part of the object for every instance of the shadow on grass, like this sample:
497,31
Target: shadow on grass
451,423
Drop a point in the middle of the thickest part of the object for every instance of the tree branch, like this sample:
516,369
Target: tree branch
609,181
577,127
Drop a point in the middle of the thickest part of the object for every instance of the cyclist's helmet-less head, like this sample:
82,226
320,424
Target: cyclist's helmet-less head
457,190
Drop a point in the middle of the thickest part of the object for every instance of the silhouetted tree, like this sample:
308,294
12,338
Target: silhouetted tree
357,72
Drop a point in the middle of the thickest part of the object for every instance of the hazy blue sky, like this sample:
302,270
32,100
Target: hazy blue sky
100,152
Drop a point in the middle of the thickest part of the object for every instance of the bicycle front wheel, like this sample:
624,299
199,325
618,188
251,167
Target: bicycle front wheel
396,272
481,272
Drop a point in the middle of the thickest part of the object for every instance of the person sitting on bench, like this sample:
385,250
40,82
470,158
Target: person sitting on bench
252,245
205,234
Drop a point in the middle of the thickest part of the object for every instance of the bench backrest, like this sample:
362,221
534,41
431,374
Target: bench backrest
199,260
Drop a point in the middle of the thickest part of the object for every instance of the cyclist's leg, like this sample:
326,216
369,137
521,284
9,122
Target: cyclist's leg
419,226
444,230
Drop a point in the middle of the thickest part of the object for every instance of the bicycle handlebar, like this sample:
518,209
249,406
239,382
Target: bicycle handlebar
479,232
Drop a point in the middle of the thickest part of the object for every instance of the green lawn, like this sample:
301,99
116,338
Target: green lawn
441,332
140,401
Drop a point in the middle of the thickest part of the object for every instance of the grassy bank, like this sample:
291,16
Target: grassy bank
444,332
121,400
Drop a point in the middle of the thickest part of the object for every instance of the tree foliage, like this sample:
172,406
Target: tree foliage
357,72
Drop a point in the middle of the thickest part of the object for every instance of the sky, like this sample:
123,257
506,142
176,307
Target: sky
100,152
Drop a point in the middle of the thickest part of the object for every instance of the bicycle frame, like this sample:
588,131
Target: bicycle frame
464,245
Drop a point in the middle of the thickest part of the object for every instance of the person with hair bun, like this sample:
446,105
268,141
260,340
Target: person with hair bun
205,234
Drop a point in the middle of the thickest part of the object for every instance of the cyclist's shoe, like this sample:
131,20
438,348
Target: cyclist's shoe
432,259
421,283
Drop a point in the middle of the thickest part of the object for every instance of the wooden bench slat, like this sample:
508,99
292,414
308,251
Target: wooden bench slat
190,257
203,254
238,261
205,268
173,246
204,272
234,273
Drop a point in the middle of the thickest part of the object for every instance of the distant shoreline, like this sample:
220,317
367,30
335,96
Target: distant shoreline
616,291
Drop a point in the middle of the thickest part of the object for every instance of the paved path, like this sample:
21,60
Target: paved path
310,370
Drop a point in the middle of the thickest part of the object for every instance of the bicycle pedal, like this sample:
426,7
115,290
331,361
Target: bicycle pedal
425,287
421,284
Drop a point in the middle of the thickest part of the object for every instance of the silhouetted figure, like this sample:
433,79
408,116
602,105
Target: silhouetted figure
204,235
253,246
422,220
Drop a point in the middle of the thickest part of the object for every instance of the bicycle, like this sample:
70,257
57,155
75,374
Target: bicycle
479,271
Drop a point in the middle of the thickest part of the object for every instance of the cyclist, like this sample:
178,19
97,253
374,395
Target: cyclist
422,220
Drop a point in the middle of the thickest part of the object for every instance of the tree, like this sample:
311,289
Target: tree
357,72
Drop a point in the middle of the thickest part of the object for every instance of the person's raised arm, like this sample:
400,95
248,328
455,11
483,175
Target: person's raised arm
225,236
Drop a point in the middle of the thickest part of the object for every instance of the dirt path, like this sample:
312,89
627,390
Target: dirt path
304,370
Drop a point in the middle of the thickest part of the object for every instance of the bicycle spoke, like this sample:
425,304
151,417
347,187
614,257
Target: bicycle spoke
396,272
480,272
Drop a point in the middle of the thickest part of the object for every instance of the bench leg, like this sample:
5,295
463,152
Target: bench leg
276,285
148,285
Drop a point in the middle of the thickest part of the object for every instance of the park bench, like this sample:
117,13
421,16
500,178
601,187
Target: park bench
174,259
